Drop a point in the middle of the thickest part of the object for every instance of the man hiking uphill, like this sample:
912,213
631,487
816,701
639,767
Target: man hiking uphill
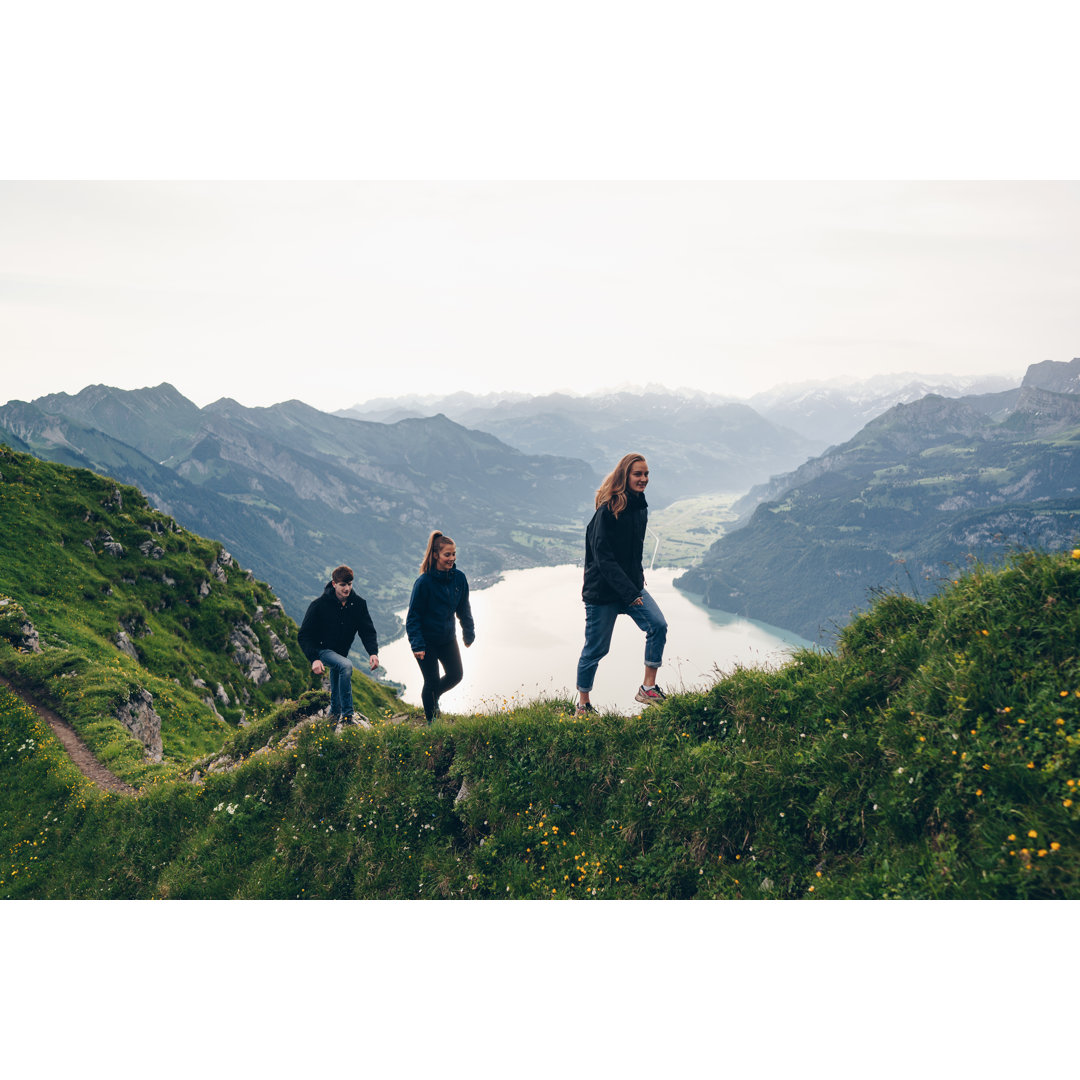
326,635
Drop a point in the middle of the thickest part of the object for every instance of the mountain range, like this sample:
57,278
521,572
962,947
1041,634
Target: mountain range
292,491
915,494
696,444
841,407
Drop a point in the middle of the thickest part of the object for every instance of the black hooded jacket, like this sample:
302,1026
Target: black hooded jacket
330,624
613,547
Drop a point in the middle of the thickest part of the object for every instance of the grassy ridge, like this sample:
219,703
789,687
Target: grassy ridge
934,754
85,559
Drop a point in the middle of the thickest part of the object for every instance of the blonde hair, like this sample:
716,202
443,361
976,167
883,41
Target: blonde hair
436,542
612,492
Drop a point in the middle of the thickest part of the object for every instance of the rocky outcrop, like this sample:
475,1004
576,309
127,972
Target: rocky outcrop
151,550
16,627
246,653
137,714
220,564
125,645
278,646
106,543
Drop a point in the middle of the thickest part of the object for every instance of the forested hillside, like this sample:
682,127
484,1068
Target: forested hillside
903,505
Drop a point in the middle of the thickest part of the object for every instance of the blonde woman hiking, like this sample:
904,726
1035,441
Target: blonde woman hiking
614,582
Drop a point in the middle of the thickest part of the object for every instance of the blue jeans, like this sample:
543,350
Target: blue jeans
340,670
600,622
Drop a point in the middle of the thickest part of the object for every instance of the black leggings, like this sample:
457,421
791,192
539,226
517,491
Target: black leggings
448,654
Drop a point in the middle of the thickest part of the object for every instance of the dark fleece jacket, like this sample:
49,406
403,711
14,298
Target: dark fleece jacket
437,597
330,624
613,547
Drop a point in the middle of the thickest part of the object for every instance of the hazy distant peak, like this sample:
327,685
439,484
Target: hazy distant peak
1056,376
222,405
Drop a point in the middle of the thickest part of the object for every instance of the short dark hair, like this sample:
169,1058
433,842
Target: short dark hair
342,575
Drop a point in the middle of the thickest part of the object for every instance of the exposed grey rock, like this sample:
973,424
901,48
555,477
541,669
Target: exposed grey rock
462,794
204,588
278,646
151,550
208,701
247,654
222,695
107,543
124,644
137,714
198,683
218,566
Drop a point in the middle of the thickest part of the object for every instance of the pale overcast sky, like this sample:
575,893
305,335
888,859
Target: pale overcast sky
582,204
337,292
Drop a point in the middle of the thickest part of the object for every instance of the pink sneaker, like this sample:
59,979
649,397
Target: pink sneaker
649,695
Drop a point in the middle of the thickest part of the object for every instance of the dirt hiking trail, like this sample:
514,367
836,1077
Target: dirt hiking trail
79,752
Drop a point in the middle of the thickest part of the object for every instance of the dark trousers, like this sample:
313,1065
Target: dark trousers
447,654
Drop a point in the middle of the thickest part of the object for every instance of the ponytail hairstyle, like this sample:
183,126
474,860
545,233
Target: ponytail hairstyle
436,542
612,492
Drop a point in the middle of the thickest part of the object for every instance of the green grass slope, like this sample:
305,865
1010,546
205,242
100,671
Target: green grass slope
84,560
934,754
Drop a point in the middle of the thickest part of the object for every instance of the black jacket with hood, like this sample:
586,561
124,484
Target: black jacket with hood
330,624
613,548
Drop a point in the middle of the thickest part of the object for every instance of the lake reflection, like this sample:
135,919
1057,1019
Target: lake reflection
530,628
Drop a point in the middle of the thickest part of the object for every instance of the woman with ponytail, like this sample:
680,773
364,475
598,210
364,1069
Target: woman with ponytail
440,593
614,582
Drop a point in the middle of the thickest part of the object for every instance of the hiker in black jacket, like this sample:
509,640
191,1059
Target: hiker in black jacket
440,593
614,582
326,636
